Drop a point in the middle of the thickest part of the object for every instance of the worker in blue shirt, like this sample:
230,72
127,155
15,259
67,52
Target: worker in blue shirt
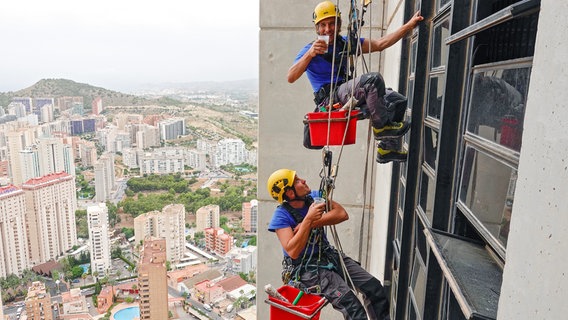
318,60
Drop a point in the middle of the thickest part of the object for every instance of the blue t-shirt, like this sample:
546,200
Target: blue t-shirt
319,69
283,219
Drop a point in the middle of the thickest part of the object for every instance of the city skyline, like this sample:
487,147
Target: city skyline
125,45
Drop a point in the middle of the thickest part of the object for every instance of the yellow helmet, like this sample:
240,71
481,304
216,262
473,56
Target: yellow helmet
324,10
278,181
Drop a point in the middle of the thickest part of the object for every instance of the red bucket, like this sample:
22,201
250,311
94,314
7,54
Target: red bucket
337,123
308,307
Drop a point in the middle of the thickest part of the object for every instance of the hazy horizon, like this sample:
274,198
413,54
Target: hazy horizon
128,44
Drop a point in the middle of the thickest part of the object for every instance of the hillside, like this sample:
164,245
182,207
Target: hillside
54,88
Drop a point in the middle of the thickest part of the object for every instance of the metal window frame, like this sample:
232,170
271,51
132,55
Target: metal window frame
516,10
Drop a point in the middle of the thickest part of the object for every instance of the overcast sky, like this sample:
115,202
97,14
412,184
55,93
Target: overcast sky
120,44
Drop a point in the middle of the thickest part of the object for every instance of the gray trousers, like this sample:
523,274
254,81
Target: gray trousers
336,289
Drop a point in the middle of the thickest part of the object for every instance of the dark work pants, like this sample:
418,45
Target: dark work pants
335,288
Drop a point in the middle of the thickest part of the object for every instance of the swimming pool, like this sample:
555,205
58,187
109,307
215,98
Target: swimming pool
127,314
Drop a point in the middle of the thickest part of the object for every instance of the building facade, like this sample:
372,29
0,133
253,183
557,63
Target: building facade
51,203
38,302
250,216
168,224
105,181
470,226
97,221
172,128
207,217
152,280
13,238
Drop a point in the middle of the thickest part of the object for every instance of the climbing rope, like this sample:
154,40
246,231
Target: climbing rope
329,172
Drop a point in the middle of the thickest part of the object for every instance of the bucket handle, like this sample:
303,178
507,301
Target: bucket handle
323,302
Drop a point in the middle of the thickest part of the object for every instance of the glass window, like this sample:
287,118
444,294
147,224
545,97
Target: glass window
497,105
487,190
414,49
430,147
439,47
426,201
418,285
436,94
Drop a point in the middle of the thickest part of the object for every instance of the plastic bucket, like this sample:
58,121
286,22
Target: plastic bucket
337,123
308,307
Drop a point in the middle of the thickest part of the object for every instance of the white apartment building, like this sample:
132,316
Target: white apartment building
13,238
168,224
243,259
130,158
207,217
172,128
50,216
97,220
104,177
162,161
230,151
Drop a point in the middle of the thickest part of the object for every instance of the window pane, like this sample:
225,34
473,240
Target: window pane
401,194
430,146
439,47
410,95
497,105
414,49
426,201
487,190
435,95
418,283
442,3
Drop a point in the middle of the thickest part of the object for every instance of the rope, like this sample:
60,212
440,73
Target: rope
327,174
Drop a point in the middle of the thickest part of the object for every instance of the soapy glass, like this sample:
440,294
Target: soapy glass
324,38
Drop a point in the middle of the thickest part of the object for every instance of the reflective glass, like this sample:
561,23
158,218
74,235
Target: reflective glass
497,105
426,201
435,95
439,47
488,190
430,146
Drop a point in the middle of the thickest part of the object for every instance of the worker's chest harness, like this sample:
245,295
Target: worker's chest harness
312,259
342,73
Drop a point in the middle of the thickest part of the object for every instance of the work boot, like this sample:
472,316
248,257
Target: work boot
386,155
391,130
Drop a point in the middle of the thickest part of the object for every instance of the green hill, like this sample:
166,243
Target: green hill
55,88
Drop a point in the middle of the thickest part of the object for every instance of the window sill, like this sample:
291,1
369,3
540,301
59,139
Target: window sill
471,272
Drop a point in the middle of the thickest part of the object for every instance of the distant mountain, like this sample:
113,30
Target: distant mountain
55,88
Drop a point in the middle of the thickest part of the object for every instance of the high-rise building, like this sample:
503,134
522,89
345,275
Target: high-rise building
250,216
172,128
26,101
55,156
168,224
97,220
207,217
38,302
15,142
50,216
152,280
104,177
13,239
97,105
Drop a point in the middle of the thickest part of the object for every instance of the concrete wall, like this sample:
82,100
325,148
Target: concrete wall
535,280
285,28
